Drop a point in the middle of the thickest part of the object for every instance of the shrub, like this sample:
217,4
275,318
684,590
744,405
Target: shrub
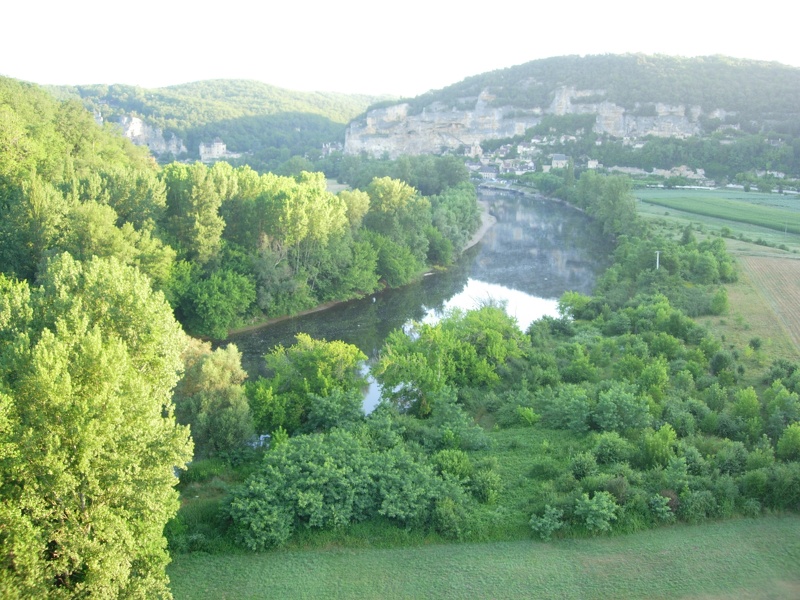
583,465
598,512
697,506
731,458
449,518
751,508
453,462
783,486
659,446
788,447
548,523
486,485
612,448
660,508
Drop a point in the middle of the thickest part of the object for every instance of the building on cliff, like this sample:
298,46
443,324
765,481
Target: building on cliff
216,150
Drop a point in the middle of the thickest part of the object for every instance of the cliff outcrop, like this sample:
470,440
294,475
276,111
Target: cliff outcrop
438,127
143,134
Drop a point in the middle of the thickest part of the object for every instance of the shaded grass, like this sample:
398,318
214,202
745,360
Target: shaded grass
742,558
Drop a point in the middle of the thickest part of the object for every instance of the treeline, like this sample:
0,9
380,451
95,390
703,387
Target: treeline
226,245
722,158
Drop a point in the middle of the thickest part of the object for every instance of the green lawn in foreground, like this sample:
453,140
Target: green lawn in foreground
745,558
779,213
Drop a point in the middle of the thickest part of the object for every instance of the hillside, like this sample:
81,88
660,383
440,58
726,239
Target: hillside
595,98
249,116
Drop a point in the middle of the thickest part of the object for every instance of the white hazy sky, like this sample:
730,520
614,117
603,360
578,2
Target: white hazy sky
405,47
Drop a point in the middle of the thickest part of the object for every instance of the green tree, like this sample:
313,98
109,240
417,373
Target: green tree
192,216
300,373
397,211
89,444
210,398
218,303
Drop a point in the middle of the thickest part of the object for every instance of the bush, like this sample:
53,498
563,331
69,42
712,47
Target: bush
449,518
659,446
486,485
788,447
697,506
612,448
660,508
731,459
597,513
583,465
203,470
453,462
548,523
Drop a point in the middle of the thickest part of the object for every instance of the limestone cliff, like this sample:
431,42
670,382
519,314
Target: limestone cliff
142,134
397,130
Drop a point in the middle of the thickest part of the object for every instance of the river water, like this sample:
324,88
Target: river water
537,250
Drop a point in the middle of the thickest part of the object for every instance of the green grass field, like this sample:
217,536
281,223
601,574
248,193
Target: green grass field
745,558
771,211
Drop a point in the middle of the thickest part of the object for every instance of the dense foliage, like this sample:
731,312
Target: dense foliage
225,244
88,442
640,413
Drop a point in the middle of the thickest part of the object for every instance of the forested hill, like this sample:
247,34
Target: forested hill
617,96
249,116
755,89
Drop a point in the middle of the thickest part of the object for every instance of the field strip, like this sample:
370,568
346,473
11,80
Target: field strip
778,280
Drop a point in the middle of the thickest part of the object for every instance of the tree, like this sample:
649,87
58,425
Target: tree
192,215
397,211
210,398
88,442
307,370
218,303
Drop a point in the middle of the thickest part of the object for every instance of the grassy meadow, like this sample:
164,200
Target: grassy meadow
743,558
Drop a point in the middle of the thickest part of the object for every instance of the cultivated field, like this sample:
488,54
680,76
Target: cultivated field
764,303
772,211
743,559
778,280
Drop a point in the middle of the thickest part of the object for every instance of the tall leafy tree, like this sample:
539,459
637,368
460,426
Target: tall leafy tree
88,442
210,398
192,215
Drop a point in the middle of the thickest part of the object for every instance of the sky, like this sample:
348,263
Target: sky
401,48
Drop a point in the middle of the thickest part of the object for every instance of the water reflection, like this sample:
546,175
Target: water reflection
537,250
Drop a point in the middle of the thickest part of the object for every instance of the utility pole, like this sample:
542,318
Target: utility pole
657,257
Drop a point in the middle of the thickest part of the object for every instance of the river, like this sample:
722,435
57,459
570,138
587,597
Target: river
537,250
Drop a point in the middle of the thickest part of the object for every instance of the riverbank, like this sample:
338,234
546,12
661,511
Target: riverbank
487,222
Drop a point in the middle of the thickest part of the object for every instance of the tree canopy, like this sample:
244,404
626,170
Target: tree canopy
89,444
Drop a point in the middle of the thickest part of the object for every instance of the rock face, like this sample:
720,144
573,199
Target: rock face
142,134
395,130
